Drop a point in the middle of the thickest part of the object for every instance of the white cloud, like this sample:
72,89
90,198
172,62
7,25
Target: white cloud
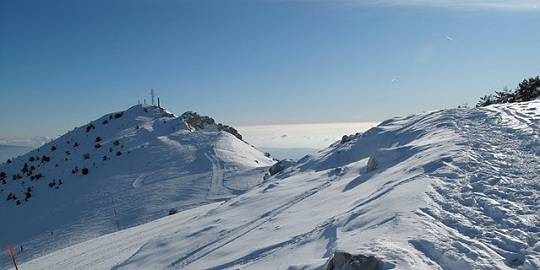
460,4
33,142
317,136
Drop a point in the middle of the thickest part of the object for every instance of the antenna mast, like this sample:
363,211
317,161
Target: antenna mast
152,95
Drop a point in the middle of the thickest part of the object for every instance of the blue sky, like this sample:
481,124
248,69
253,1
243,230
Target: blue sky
258,62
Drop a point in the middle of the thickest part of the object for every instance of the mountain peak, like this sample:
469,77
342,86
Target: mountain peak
145,158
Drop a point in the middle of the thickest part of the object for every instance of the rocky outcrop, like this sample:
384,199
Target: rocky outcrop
346,261
195,121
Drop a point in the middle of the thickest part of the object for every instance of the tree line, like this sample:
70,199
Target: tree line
527,90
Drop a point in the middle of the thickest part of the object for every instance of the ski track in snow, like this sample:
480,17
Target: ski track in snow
139,181
90,255
233,234
218,173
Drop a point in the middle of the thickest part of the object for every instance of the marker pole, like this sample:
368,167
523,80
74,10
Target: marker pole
12,256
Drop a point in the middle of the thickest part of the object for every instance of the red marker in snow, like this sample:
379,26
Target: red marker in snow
12,256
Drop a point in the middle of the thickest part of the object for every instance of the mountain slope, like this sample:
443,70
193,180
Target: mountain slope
124,169
450,189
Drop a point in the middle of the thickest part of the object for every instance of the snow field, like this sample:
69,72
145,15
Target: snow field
449,189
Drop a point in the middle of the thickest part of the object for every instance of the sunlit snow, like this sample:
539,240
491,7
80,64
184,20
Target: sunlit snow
448,189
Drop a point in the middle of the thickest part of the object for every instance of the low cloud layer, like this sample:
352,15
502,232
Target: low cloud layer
318,136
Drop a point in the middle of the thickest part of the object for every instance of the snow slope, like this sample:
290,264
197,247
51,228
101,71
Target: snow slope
141,163
449,189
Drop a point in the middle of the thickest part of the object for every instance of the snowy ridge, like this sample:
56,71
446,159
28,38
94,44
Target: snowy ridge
449,189
121,170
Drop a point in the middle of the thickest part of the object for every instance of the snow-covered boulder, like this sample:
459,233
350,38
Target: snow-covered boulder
387,157
280,166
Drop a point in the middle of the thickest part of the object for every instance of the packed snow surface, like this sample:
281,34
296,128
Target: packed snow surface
449,189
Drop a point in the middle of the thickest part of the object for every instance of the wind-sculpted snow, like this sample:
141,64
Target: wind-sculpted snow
450,189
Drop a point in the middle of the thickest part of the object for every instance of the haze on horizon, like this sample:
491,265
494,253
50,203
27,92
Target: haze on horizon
246,63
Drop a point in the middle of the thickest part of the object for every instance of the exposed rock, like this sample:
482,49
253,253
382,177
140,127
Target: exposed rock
346,261
197,121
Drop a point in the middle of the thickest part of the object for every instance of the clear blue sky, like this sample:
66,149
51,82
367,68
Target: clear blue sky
65,63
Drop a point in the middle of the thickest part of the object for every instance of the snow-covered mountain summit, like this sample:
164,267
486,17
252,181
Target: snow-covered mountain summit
449,189
123,169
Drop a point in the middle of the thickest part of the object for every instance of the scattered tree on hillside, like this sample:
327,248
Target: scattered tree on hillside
527,90
25,168
28,193
505,96
98,139
85,171
90,127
